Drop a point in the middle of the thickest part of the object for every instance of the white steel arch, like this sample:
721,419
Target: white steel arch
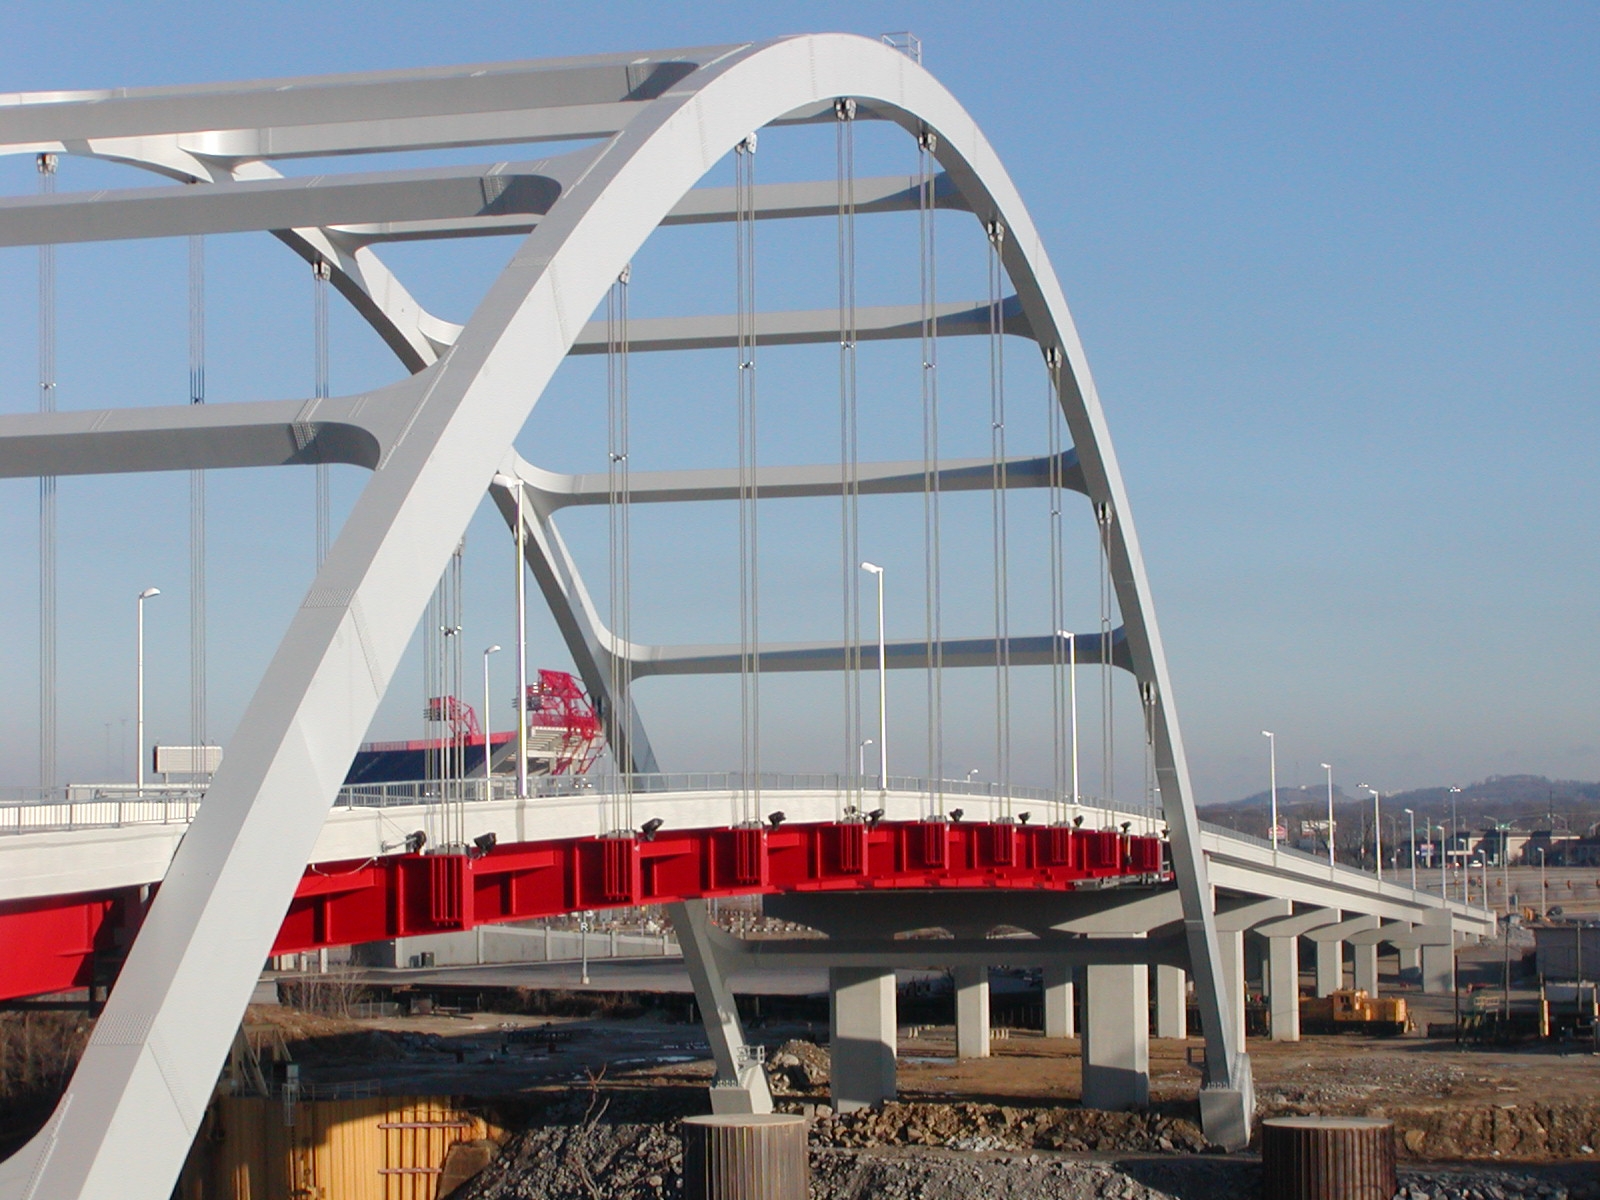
438,438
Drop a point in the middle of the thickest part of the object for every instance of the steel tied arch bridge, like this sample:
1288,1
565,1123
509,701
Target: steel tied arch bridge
654,125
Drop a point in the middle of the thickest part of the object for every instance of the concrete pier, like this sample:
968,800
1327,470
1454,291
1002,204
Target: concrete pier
1116,1037
1172,1002
861,1027
972,1011
1060,1019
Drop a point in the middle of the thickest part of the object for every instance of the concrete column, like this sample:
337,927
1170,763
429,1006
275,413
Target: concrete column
1438,970
861,1028
1410,963
741,1081
1365,957
1330,967
1172,1002
1283,986
1231,943
1116,1037
1255,962
972,1011
1059,1019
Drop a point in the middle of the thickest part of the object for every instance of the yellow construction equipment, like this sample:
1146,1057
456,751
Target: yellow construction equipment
1351,1010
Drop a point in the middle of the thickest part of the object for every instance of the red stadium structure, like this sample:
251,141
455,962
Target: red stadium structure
564,738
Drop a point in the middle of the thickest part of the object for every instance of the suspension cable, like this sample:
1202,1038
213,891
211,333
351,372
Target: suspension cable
443,711
198,735
749,541
47,499
1147,701
619,497
998,516
933,606
457,678
320,274
1108,744
844,110
1058,623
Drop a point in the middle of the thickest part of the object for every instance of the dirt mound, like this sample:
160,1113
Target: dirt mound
1513,1131
311,1038
798,1068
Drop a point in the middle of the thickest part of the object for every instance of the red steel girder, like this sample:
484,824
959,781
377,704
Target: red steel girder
50,944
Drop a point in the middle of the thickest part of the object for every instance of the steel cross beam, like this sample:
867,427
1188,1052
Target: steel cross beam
392,206
129,1113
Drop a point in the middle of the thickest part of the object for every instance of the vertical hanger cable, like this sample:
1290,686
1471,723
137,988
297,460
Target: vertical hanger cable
198,735
320,274
998,516
933,607
47,500
749,539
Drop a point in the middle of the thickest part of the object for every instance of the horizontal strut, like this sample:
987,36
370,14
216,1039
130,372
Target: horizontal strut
494,199
555,491
1033,651
811,327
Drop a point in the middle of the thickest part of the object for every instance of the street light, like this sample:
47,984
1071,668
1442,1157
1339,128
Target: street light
861,757
1413,845
1328,767
1072,692
138,706
488,725
1454,792
1544,905
883,695
1272,759
1444,893
1377,830
1504,832
583,947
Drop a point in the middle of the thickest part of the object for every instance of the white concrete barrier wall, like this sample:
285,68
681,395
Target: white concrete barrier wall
491,944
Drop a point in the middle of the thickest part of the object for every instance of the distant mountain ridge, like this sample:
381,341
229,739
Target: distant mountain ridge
1526,802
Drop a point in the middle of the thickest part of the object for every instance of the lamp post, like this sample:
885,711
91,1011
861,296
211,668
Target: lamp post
883,695
1328,767
1413,848
1444,893
1505,865
1483,868
1377,830
488,725
138,703
1454,792
1272,783
583,948
861,757
1072,693
1544,906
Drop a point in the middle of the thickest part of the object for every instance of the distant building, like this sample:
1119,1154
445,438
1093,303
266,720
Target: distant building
1567,951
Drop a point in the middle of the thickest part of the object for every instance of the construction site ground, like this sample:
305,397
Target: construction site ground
1538,1102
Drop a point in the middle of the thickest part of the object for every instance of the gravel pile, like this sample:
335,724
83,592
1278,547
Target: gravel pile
643,1162
987,1127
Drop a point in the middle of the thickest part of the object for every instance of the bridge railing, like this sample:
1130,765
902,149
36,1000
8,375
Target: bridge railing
81,806
1336,872
86,806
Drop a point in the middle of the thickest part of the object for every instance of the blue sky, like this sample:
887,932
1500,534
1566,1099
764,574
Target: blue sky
1335,268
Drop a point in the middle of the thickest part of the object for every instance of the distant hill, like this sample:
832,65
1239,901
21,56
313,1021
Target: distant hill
1526,802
